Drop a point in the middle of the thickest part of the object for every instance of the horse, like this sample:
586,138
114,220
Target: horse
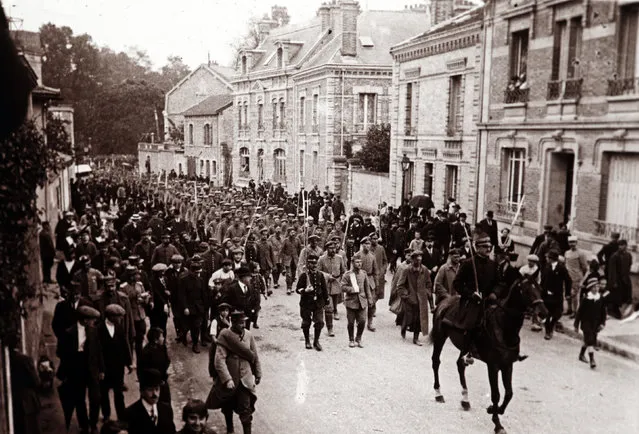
497,342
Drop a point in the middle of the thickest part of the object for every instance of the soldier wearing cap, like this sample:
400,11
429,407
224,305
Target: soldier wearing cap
173,274
117,356
332,265
164,252
311,286
312,248
145,249
88,278
555,285
192,296
473,295
369,265
289,255
576,262
265,257
238,371
276,242
81,369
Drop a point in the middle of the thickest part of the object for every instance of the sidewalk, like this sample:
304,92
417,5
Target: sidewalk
619,337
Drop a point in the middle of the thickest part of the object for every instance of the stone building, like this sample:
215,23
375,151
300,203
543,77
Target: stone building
208,138
436,78
310,91
559,123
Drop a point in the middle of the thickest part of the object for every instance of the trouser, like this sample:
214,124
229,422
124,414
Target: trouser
411,319
291,270
313,314
276,271
79,389
266,274
241,403
328,314
47,263
113,380
371,313
574,295
194,325
140,333
353,315
555,309
204,327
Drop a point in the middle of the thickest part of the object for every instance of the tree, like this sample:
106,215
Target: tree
375,154
251,38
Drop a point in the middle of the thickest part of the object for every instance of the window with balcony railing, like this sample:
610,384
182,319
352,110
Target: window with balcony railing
454,124
516,94
625,81
566,78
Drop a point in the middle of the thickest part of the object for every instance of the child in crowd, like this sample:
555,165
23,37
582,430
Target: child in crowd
155,356
195,415
220,322
591,315
417,244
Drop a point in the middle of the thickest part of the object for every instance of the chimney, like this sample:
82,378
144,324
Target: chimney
441,10
324,13
349,11
264,27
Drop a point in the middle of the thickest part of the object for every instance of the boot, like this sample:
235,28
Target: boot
307,339
416,339
246,427
330,332
316,337
582,355
228,417
371,327
593,365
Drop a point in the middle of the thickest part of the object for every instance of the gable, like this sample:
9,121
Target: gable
195,88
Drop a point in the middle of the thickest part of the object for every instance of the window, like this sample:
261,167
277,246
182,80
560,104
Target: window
367,109
622,193
280,57
566,60
452,180
260,115
279,165
627,51
213,168
276,119
208,169
201,167
302,113
260,164
301,163
454,105
408,110
315,166
429,176
244,65
190,134
519,53
244,162
282,119
315,115
245,115
515,159
239,117
207,134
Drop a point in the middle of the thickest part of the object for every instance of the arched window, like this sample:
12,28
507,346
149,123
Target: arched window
246,115
190,134
201,167
282,114
260,115
213,168
276,120
279,165
245,168
207,173
280,57
244,66
207,134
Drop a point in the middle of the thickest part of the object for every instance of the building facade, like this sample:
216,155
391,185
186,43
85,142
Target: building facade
436,92
309,92
559,124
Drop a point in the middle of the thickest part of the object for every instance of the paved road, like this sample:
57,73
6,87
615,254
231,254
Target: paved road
386,387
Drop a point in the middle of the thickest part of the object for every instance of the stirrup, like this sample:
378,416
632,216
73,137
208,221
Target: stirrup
468,359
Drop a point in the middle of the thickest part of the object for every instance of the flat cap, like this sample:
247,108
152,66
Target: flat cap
532,258
177,258
159,267
88,312
114,310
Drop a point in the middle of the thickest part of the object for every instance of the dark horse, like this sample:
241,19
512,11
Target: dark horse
496,343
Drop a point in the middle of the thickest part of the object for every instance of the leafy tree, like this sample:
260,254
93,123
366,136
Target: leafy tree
375,154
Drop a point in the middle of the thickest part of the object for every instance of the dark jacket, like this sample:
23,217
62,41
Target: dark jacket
73,363
319,296
192,294
115,350
63,276
155,357
555,283
65,316
139,421
238,299
47,249
490,230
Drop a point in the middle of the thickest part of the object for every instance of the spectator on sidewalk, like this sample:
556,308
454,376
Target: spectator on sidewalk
607,251
619,280
555,282
24,389
47,252
576,262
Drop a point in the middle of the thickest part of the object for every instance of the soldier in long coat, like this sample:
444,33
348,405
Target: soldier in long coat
311,286
414,286
382,264
369,265
332,266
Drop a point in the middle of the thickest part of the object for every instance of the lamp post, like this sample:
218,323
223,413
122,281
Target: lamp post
405,166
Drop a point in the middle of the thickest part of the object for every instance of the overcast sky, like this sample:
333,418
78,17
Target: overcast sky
189,28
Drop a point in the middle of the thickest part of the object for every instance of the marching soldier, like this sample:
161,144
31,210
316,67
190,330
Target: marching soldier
311,286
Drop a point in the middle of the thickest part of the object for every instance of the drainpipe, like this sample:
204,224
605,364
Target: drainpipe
342,116
482,131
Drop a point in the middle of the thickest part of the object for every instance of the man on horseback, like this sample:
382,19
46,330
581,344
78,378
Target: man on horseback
475,283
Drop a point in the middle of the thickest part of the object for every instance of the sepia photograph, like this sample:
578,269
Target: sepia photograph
319,216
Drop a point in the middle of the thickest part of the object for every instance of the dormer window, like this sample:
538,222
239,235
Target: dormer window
280,57
244,65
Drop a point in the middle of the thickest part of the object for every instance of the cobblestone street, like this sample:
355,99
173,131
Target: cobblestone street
387,385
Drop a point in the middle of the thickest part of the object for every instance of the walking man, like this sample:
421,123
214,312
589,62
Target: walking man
416,290
311,286
369,265
358,298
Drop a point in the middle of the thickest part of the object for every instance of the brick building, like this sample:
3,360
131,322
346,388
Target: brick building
559,123
311,90
436,78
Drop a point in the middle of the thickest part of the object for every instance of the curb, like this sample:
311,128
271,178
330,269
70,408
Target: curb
605,343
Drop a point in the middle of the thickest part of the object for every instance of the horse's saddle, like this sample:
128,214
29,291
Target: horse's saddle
460,314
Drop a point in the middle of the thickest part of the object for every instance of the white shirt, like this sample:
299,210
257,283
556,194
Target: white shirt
243,287
151,409
82,337
553,265
110,327
69,265
221,274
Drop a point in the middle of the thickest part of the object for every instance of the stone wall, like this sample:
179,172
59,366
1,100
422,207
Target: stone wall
367,189
162,158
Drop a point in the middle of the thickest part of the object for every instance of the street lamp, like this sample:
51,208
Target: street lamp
405,166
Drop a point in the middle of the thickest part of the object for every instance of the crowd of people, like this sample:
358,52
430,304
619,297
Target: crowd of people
138,251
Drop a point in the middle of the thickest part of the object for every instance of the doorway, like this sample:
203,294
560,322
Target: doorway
560,179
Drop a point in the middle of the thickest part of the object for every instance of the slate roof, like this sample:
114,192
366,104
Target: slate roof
210,106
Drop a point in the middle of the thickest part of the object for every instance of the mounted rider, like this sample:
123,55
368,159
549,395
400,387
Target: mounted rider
476,281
